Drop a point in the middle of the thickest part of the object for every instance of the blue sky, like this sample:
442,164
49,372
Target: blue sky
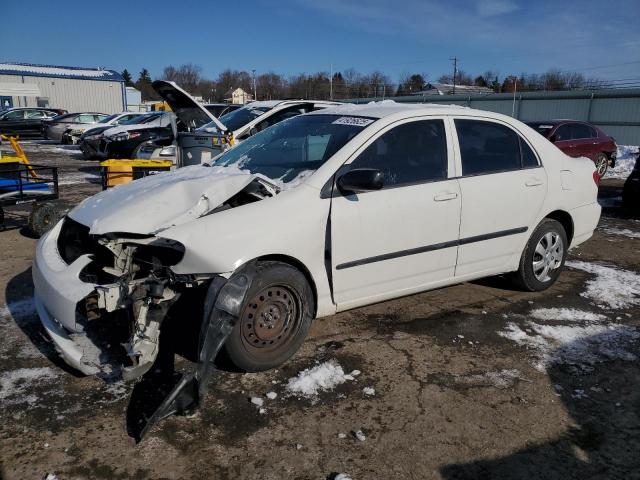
293,36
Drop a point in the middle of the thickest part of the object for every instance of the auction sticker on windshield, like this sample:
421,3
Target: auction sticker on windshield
355,121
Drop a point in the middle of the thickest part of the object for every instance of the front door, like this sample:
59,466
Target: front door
403,238
503,188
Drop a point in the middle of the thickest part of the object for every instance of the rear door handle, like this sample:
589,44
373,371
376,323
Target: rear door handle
533,182
443,197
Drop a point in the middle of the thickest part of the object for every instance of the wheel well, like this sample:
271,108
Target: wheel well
294,262
565,220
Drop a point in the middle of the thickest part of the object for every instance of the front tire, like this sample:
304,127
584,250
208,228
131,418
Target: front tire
543,257
602,164
275,318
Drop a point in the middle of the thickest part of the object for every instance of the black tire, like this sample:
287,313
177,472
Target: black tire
274,320
526,278
43,218
602,164
66,138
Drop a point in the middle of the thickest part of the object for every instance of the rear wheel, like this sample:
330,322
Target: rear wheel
274,320
602,164
543,257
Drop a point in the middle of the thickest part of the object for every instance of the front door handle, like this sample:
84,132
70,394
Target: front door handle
533,182
443,197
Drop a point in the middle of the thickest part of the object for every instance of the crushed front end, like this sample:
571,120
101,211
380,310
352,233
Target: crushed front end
102,298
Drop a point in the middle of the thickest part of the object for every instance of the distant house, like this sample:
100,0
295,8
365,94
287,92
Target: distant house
447,89
240,97
76,89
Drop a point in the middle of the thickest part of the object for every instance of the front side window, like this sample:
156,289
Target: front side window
294,148
15,115
487,147
409,153
563,132
35,114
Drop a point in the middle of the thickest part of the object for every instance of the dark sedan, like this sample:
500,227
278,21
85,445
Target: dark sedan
580,139
121,141
25,121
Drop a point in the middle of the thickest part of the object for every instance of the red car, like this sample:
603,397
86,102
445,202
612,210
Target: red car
580,139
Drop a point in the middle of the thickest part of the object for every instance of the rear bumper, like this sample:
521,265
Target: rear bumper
585,221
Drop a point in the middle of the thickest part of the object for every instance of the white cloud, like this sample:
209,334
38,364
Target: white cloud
493,8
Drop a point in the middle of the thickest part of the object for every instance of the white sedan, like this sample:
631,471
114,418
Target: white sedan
320,213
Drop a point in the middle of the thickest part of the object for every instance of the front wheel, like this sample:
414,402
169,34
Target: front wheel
543,257
602,164
274,319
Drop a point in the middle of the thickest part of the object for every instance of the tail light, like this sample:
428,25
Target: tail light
596,178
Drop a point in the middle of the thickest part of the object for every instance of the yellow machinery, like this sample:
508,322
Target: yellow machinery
160,107
116,172
20,157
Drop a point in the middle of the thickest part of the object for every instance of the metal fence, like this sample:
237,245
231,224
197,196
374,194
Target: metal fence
616,112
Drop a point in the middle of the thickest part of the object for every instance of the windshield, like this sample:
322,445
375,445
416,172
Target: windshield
542,128
109,118
239,118
294,148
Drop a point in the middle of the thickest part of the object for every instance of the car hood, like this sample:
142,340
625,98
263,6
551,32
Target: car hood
157,202
127,128
95,130
190,112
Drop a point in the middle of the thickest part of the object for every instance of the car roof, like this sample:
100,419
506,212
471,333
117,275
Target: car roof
275,103
385,108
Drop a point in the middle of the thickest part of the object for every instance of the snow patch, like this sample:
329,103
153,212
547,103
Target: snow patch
566,314
625,161
500,379
622,232
369,391
613,287
321,378
16,383
19,309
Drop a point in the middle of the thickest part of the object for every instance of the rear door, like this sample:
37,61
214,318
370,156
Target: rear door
503,187
586,143
403,238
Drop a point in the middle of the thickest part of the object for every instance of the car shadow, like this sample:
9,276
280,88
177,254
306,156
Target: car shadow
19,300
604,407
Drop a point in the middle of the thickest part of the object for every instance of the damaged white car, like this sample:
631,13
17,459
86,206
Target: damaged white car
320,213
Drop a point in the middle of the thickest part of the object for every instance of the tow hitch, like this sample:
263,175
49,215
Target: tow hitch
223,305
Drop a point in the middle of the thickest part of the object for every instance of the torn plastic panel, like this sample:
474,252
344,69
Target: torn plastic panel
222,308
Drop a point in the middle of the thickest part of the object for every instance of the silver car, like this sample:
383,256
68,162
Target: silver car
55,128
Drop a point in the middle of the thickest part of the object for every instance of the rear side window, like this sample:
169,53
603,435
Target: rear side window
409,153
487,147
563,132
580,131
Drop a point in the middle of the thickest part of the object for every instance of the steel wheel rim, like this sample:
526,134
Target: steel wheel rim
270,320
547,257
602,165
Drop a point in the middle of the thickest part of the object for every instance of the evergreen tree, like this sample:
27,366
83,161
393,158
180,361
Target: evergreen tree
128,81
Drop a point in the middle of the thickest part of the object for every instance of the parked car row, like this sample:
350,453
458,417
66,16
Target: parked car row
26,121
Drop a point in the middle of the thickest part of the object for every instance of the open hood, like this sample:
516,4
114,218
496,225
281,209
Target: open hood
161,201
190,112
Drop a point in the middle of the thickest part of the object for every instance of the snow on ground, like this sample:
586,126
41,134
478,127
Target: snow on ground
566,314
74,178
18,310
500,379
625,161
321,378
611,287
621,232
14,384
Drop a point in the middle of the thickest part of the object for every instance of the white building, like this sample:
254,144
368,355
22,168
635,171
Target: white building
240,97
71,88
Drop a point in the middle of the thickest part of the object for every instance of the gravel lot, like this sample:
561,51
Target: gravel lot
472,381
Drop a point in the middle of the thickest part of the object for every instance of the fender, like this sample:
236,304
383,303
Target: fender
223,305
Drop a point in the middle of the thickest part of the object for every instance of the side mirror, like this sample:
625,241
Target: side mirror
361,180
253,131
